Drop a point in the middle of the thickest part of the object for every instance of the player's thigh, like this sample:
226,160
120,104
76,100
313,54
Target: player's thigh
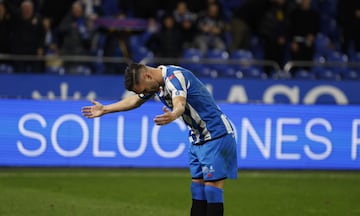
219,160
195,166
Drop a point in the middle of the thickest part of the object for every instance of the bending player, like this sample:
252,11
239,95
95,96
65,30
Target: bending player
212,151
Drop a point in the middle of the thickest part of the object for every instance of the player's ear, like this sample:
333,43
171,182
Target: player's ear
147,76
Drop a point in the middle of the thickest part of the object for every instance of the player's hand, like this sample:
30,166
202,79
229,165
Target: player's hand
94,111
165,118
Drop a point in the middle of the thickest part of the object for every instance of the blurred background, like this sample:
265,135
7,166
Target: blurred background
263,39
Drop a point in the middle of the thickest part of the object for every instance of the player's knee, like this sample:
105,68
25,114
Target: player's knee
198,191
218,184
214,194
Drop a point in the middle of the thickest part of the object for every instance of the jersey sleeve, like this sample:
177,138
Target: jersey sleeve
177,84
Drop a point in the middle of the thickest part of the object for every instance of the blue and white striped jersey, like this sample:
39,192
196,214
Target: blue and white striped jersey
202,115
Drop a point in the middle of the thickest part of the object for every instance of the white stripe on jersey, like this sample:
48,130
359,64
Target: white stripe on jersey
196,117
227,124
175,92
181,79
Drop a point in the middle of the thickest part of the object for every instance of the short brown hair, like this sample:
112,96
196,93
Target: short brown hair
132,75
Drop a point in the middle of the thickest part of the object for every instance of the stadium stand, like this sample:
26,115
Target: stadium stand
119,26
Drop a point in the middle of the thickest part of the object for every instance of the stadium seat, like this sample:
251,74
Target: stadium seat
208,72
351,74
191,60
143,54
329,27
322,45
326,74
55,70
135,42
339,59
336,56
6,68
82,70
256,47
302,74
217,55
242,56
355,57
254,73
280,75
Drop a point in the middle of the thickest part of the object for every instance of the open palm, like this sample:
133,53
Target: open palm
93,111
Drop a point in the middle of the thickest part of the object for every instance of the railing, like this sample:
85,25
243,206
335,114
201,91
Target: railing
205,61
123,60
290,65
286,71
65,58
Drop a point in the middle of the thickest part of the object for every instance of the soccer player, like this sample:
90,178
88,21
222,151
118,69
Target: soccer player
212,152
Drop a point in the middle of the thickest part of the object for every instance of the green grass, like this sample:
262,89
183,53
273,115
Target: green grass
148,192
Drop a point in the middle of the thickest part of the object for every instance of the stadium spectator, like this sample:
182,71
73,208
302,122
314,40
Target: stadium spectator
14,7
211,29
56,10
168,41
4,29
304,26
75,32
349,21
114,42
27,35
91,8
212,150
252,12
186,22
273,30
51,37
240,30
75,35
50,44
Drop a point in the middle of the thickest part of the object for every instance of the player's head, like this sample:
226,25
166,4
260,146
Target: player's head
132,75
139,79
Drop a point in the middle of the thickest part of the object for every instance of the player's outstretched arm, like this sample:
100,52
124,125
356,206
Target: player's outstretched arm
98,109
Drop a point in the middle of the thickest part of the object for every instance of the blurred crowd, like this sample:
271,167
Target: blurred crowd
276,30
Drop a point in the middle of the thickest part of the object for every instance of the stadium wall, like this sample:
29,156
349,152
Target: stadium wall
41,86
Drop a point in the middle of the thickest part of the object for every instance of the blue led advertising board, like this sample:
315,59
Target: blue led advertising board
54,133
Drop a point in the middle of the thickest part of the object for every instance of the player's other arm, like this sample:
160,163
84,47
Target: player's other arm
168,116
99,109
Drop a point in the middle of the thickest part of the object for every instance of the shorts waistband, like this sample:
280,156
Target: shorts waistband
204,142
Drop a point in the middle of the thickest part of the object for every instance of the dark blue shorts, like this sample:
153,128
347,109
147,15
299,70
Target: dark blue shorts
214,160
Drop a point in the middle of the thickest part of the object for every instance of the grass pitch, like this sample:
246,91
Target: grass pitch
150,192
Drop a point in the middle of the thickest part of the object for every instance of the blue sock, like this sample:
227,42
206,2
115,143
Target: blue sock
199,204
214,194
198,191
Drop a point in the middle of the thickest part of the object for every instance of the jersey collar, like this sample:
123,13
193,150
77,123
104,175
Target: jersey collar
163,71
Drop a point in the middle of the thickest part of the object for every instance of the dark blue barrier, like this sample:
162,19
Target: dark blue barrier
226,90
53,133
